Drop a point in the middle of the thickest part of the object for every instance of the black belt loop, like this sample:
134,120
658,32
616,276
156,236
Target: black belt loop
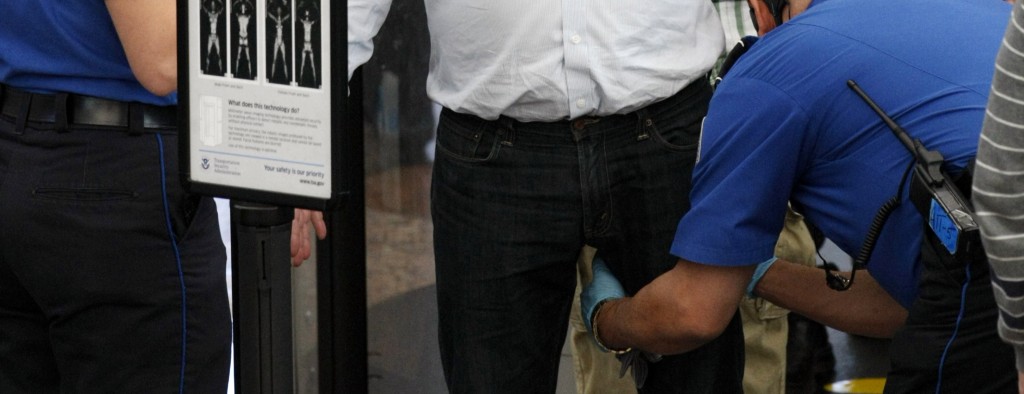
21,118
136,118
60,121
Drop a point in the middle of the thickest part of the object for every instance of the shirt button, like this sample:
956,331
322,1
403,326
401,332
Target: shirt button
581,103
576,39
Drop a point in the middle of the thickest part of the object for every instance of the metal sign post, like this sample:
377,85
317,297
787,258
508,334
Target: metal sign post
263,297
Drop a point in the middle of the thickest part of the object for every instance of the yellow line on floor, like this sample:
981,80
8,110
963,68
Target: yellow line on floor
857,386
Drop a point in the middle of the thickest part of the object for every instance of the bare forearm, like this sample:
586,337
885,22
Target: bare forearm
642,324
677,312
148,33
865,309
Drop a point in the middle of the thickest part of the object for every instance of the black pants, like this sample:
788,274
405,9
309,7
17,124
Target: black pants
514,202
946,349
111,278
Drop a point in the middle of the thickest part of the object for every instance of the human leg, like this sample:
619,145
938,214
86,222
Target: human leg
949,343
126,309
27,364
595,371
505,206
764,336
635,217
765,325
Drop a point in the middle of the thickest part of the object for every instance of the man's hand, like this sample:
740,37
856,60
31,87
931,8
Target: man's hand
301,244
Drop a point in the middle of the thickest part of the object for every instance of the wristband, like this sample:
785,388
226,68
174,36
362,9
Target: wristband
758,273
597,337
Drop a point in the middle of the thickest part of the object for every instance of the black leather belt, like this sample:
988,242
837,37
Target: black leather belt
65,110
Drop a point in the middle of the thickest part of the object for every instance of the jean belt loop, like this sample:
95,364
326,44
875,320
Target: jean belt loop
60,106
643,124
136,118
509,125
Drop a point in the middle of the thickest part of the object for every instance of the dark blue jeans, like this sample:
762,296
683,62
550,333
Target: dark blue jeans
514,202
95,294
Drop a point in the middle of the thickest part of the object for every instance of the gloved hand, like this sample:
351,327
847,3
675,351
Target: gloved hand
604,287
636,361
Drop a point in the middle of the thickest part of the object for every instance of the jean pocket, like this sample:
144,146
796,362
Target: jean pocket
478,143
674,136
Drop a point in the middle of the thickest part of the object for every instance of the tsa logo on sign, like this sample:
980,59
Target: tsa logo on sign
206,164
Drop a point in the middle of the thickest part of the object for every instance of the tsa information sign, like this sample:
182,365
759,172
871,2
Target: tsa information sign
258,95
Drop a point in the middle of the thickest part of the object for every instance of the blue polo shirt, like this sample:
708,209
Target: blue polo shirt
67,46
784,126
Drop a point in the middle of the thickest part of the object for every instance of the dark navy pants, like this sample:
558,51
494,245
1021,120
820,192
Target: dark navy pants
111,278
949,343
512,205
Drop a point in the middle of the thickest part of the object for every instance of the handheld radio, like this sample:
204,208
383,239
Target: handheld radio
933,192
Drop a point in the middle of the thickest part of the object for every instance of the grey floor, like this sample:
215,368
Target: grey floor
403,347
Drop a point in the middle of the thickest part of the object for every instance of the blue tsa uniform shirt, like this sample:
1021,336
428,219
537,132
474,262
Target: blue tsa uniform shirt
76,51
785,127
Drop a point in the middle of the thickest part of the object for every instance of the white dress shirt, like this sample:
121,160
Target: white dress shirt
545,60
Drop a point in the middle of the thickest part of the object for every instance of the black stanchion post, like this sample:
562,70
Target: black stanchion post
262,297
341,261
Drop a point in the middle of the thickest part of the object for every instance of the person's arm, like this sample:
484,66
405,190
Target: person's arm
864,309
679,311
691,305
365,18
998,190
148,33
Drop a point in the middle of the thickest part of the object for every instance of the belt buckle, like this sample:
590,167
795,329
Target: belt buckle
91,111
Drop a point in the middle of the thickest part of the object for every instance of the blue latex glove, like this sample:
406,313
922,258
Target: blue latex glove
758,274
604,287
635,361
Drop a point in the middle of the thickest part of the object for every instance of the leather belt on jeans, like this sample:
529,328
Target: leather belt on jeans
65,110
